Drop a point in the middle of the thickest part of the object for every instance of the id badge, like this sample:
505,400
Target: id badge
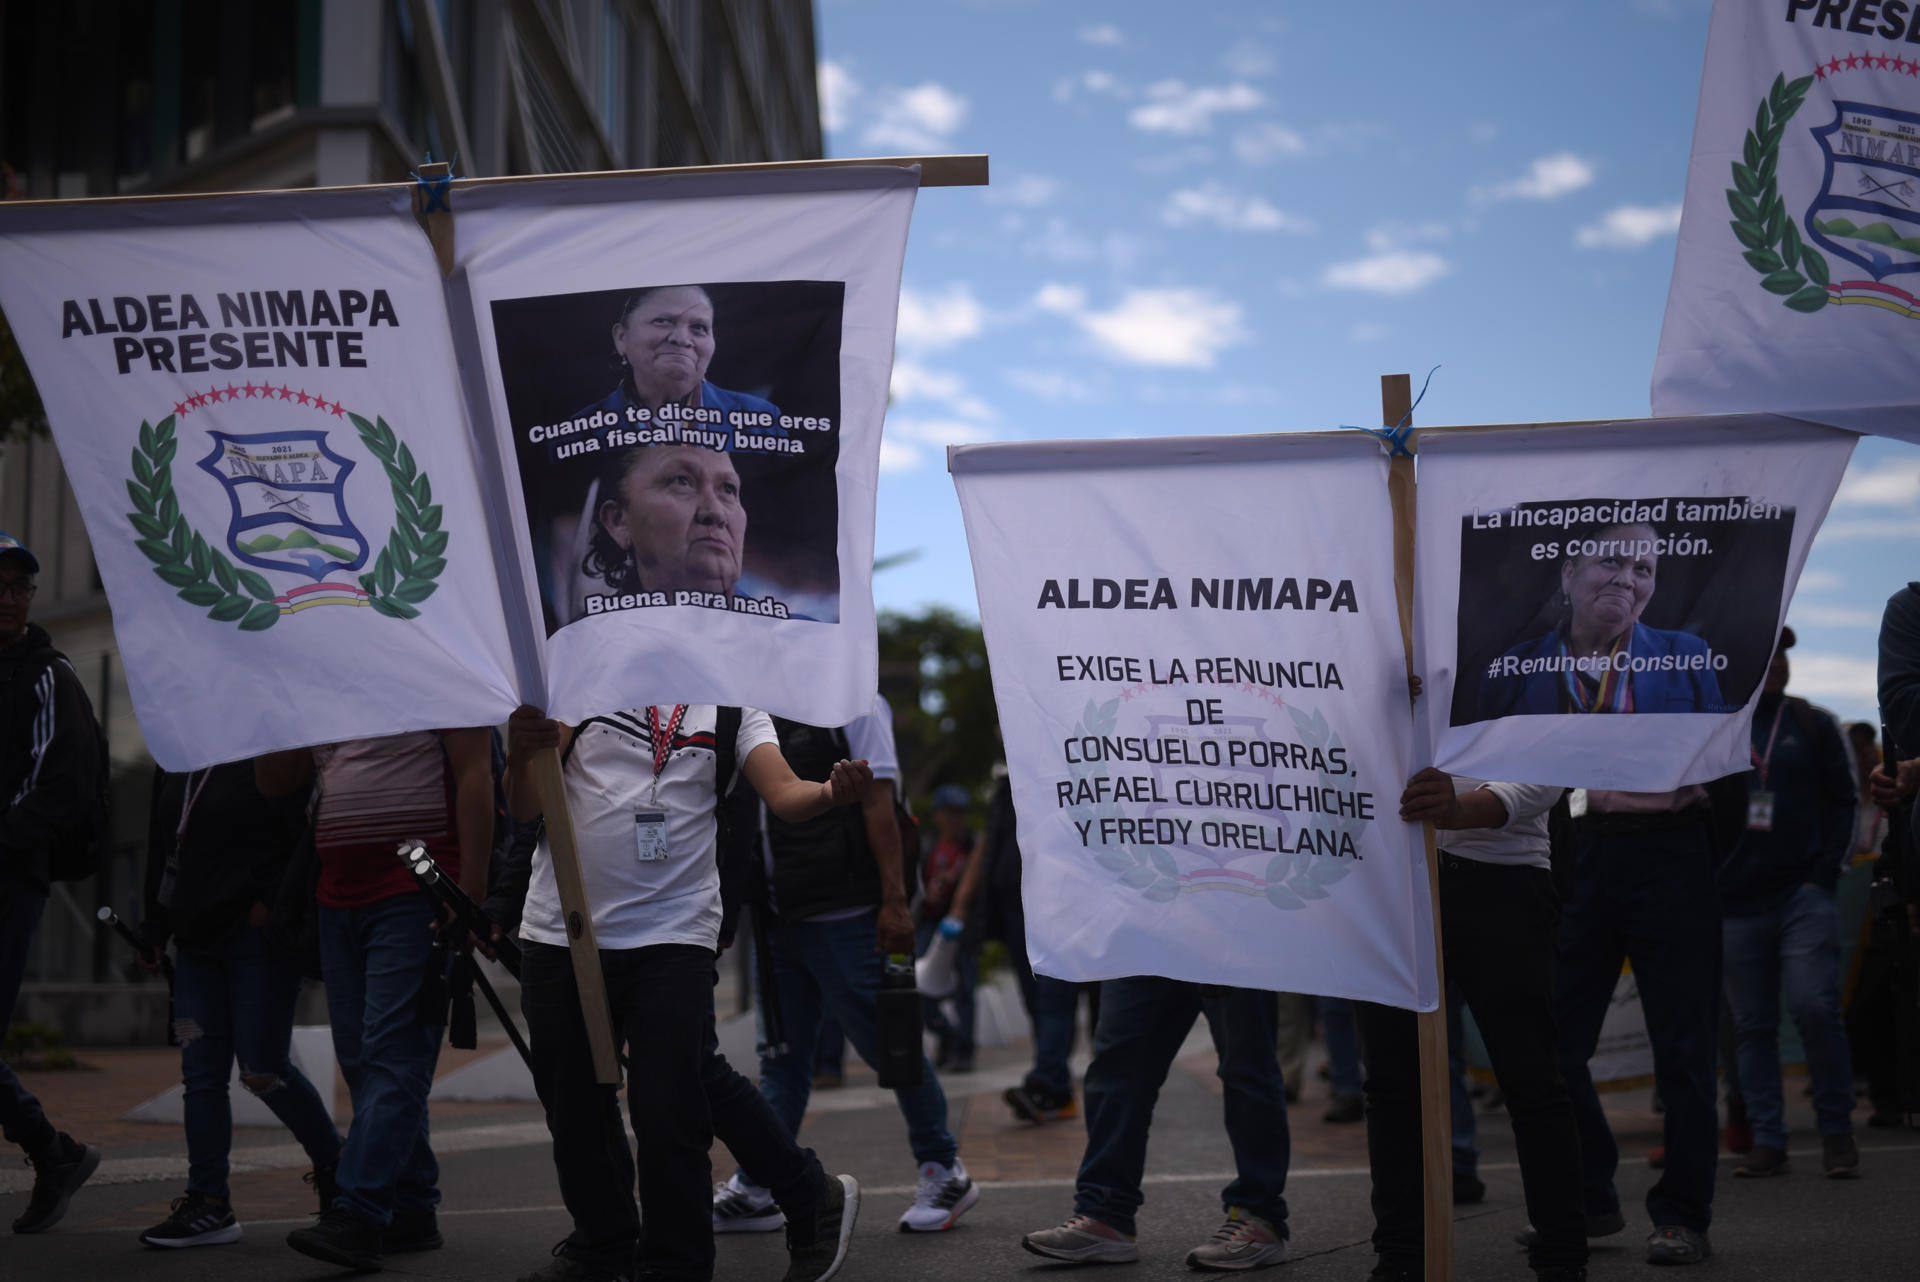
650,835
1760,812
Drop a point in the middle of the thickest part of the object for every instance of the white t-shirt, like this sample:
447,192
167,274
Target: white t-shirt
1521,842
609,772
869,739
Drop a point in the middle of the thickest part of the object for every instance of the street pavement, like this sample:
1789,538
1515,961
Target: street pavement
501,1214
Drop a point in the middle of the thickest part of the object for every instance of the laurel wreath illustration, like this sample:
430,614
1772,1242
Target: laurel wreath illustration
1760,219
1292,879
403,575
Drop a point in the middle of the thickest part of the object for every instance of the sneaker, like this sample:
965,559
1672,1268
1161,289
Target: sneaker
1597,1226
945,1194
1765,1160
58,1172
1036,1106
740,1207
1562,1273
1840,1157
1737,1135
1243,1241
1677,1244
340,1237
1345,1108
1388,1271
1468,1190
1083,1240
567,1268
325,1186
196,1221
412,1233
817,1248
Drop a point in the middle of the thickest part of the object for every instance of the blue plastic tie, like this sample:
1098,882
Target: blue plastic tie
1396,437
437,189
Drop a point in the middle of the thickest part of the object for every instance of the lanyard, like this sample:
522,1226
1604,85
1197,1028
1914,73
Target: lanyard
662,743
1762,760
187,802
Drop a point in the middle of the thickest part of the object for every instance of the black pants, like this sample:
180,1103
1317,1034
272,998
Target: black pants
1498,931
681,1093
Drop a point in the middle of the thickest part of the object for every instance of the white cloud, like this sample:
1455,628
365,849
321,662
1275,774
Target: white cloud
1061,299
914,381
922,118
1893,482
1833,616
1393,272
1049,385
1391,236
1368,332
1094,81
930,321
838,89
1177,328
1028,191
1266,141
1630,227
909,443
898,456
1841,531
1104,34
1248,58
1819,581
1173,107
1213,203
1548,178
1840,677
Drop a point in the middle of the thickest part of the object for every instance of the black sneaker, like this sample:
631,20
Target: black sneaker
1037,1106
817,1246
566,1267
58,1172
413,1233
1345,1109
1597,1226
1561,1273
196,1221
1468,1190
325,1186
340,1237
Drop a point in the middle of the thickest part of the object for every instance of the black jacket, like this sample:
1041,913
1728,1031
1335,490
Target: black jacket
49,772
1810,773
232,857
825,863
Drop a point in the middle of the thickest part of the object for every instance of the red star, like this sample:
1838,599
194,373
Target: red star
1833,68
1913,67
1127,694
1879,60
302,397
251,391
180,407
1820,72
194,401
1853,61
233,393
1899,65
337,411
286,393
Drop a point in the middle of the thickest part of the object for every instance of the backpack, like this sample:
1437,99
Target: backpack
903,819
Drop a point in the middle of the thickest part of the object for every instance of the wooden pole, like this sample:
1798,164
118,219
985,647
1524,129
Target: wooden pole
1436,1116
436,219
578,915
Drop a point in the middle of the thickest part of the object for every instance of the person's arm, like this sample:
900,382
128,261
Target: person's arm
794,799
1839,801
1900,672
970,877
529,733
62,784
1430,798
281,774
894,933
470,760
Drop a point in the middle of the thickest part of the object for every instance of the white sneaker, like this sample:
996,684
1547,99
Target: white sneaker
740,1207
945,1194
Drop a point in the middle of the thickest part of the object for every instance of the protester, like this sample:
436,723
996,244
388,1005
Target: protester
1643,891
216,852
946,862
1143,1021
1498,899
385,988
838,892
1295,1039
1782,929
1892,1058
1468,1188
53,784
644,788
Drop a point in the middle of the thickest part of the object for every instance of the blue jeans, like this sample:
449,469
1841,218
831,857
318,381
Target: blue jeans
1793,950
237,1002
1466,1129
831,966
21,904
374,959
1343,1043
1143,1020
1052,1006
1647,896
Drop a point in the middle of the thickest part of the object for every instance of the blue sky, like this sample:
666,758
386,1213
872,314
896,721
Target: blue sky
1217,218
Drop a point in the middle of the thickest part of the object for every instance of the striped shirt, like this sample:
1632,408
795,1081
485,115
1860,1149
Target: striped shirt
374,794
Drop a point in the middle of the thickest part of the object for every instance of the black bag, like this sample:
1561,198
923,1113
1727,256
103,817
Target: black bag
292,930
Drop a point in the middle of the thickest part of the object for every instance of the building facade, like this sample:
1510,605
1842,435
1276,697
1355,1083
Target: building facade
133,97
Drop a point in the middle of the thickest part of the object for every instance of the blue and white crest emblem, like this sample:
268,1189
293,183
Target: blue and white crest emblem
1868,208
287,491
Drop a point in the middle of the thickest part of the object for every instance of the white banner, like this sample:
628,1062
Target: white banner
1197,660
1641,568
1796,279
685,379
256,402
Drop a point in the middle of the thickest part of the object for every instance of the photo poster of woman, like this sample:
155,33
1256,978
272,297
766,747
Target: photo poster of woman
1638,569
676,444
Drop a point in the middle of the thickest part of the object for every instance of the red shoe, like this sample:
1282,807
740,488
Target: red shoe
1738,1135
1657,1158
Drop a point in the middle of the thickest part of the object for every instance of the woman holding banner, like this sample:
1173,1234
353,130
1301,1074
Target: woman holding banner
1600,657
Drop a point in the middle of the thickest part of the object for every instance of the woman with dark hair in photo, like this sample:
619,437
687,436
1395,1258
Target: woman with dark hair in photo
667,518
663,343
1600,657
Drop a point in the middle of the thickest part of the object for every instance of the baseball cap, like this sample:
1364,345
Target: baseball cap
951,796
10,546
